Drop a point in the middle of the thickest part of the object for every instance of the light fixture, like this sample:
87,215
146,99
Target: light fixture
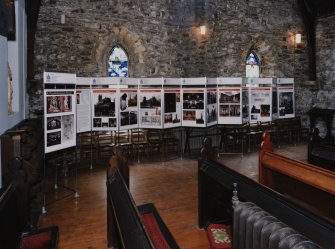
62,18
297,38
203,29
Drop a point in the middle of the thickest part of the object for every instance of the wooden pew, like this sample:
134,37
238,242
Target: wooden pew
308,185
215,188
126,223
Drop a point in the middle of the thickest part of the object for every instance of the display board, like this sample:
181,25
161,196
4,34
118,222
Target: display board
172,108
83,101
193,107
285,97
286,102
59,119
150,108
211,107
128,108
260,104
104,109
230,103
245,105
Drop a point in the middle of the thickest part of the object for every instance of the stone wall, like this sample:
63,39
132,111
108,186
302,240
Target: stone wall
162,38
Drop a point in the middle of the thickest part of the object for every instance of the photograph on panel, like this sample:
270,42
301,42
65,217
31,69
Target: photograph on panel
53,138
189,115
150,100
230,97
104,105
53,123
211,97
66,103
97,122
199,117
211,113
68,131
193,101
285,103
53,104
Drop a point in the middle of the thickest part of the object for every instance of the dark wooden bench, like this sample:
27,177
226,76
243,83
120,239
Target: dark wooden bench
12,236
216,186
130,226
321,152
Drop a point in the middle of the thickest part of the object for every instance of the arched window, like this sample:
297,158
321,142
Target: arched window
118,62
252,65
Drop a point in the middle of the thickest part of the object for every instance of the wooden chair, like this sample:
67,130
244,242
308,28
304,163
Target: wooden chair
140,142
155,142
171,143
105,143
123,138
87,147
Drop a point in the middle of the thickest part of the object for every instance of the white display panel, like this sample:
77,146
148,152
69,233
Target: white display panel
128,108
150,108
286,108
59,119
83,100
211,107
260,104
230,105
59,78
172,108
104,109
193,107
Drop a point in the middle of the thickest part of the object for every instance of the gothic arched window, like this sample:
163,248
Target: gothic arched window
252,65
118,62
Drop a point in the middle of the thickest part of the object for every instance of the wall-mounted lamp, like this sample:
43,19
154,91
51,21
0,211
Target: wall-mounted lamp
202,29
297,38
62,18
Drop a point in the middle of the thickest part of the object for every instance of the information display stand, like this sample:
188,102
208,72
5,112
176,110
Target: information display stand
104,104
230,100
172,103
260,99
83,101
194,102
128,103
59,111
150,103
60,122
285,97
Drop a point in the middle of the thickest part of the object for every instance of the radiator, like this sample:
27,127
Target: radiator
253,228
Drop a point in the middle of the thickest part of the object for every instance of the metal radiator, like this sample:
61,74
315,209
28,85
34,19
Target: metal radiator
253,228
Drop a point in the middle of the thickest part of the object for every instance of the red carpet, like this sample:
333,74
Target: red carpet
154,231
37,241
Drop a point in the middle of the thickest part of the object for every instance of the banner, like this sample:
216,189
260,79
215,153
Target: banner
150,114
172,108
260,104
128,108
193,108
230,102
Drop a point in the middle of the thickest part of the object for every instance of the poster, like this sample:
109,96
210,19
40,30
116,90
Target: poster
150,109
260,104
211,108
83,101
59,119
230,106
104,110
172,108
286,102
193,108
128,108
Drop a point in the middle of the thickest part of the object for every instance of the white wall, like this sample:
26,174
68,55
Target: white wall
15,53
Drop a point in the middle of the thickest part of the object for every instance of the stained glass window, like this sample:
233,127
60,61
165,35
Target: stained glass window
252,65
118,63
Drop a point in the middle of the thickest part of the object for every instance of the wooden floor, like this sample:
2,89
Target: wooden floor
171,186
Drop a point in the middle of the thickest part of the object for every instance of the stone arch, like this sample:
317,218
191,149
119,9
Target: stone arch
130,41
266,55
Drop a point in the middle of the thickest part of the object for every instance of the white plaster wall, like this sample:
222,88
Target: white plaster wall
15,53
